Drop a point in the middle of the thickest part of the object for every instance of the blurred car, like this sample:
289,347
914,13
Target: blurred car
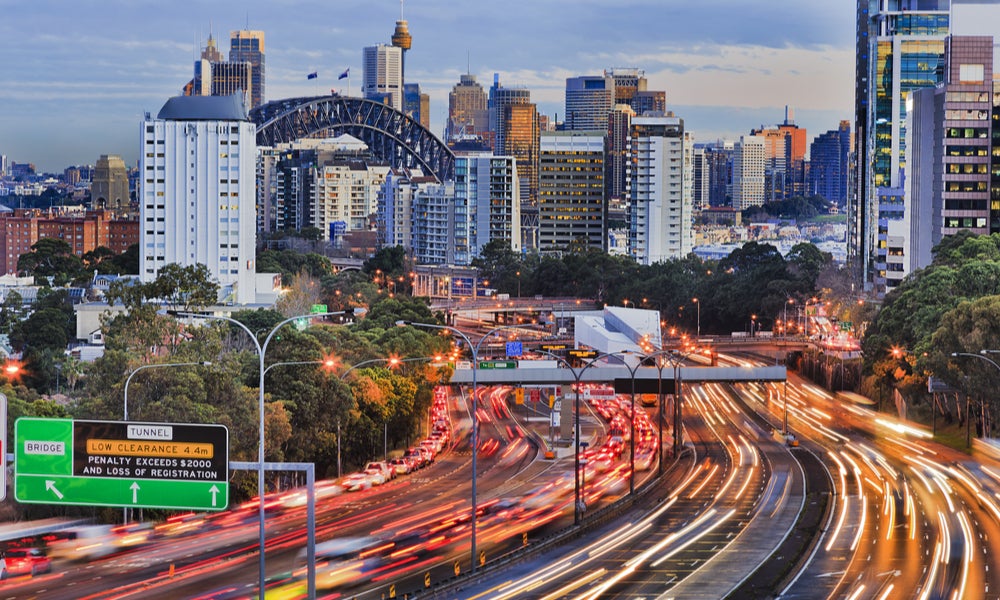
375,476
26,561
421,457
401,466
382,467
355,482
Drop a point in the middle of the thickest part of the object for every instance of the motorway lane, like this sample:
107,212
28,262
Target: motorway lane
705,510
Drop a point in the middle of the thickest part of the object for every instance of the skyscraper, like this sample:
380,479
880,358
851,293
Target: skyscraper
520,140
383,75
197,198
500,97
247,46
900,47
467,112
416,104
571,205
659,210
749,165
402,39
589,99
829,164
627,81
616,180
487,204
786,159
109,188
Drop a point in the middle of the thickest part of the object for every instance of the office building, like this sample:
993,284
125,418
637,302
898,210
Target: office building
829,164
749,168
467,111
900,48
700,179
499,99
416,104
215,76
627,82
785,151
196,200
382,79
659,212
649,102
949,186
247,46
109,188
589,99
521,141
571,205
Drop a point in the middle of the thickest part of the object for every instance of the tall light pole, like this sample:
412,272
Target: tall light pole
261,352
154,366
577,375
128,380
698,304
474,348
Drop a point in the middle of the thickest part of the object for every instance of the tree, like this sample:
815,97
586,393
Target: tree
186,288
52,257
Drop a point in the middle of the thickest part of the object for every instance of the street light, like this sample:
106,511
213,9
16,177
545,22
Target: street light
154,366
698,304
475,400
128,380
261,352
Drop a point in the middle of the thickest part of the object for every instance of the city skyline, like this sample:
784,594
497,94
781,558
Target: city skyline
70,95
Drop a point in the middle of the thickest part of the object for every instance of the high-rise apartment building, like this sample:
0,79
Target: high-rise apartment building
382,80
487,204
616,179
749,168
571,205
197,201
247,46
467,111
659,210
109,188
829,164
589,99
900,49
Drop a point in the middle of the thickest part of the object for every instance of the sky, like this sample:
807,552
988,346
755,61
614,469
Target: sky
77,77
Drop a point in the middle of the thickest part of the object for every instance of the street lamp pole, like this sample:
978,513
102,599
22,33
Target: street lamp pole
128,380
152,366
698,304
261,352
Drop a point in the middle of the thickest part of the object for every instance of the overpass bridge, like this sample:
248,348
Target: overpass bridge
503,372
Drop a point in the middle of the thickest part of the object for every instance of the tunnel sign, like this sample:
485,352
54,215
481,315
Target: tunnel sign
121,463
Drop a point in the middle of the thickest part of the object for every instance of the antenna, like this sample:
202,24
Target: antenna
400,10
468,60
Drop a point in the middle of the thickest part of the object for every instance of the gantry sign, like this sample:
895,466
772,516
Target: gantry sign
121,463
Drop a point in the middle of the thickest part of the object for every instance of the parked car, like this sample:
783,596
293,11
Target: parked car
419,458
375,475
26,561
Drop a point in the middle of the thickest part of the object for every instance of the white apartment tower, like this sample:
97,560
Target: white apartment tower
749,165
660,202
197,192
487,204
383,75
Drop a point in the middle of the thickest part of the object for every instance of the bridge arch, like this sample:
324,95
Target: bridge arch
391,135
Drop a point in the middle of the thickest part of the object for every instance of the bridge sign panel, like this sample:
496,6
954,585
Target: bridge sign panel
121,463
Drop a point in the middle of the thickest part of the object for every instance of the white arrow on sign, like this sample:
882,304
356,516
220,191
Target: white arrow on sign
51,485
135,492
215,492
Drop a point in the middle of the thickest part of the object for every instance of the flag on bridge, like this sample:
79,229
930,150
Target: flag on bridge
312,75
344,75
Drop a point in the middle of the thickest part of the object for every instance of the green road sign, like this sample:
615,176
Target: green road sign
121,463
498,364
